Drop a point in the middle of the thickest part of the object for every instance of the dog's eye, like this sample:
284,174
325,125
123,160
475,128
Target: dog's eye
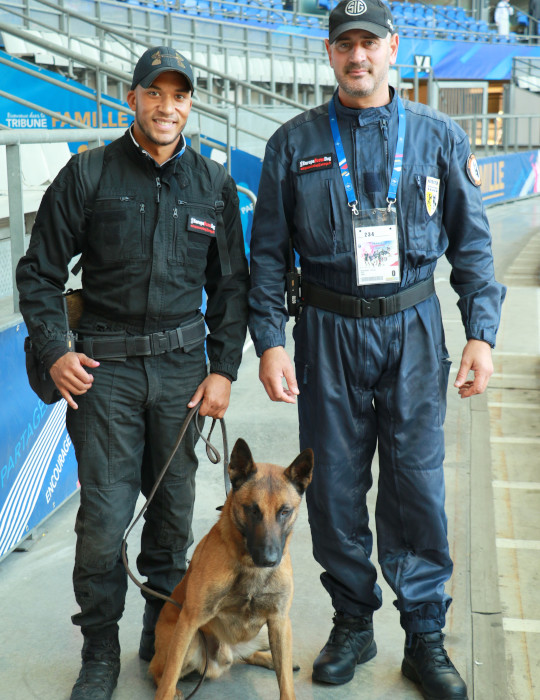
284,512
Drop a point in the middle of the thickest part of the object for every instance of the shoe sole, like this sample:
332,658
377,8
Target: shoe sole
408,671
369,653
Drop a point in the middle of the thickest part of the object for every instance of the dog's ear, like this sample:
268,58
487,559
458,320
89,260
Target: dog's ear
300,471
241,466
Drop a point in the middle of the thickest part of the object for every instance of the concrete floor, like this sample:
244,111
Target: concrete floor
514,412
40,647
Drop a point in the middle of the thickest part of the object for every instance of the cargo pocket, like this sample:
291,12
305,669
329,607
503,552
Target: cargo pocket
444,372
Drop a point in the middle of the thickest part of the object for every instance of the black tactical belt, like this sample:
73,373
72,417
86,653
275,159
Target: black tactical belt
104,348
357,307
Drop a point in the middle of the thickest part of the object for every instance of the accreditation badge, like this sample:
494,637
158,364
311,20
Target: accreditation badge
376,246
432,194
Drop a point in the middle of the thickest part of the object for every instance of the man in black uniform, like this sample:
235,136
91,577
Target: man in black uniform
165,223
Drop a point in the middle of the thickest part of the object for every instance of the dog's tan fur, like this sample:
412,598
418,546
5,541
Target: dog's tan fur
240,578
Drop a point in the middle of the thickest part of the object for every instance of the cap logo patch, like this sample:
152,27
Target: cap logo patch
355,7
157,58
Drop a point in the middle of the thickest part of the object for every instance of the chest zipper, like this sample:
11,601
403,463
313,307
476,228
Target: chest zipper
121,198
142,212
158,199
175,222
182,203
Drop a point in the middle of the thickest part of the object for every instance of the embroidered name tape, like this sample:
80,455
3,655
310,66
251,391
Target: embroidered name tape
201,226
306,165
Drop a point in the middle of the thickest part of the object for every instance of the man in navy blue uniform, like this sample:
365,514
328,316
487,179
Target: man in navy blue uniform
372,190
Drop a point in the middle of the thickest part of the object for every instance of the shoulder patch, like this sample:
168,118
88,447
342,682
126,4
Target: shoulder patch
310,163
473,171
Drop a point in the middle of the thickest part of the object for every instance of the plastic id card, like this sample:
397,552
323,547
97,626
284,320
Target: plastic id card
376,246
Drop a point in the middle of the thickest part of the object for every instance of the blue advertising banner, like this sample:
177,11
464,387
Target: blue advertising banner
509,176
53,97
38,470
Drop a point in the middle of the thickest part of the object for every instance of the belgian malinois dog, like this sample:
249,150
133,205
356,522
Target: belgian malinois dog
239,579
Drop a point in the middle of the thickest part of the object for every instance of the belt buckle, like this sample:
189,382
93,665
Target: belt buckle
159,343
371,308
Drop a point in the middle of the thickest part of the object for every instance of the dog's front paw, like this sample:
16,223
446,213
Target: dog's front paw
179,695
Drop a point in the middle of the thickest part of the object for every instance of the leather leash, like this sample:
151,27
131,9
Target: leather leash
214,456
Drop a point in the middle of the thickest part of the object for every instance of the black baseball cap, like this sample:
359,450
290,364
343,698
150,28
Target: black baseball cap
372,15
158,60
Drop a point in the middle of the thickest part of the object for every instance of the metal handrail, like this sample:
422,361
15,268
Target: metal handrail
505,136
121,75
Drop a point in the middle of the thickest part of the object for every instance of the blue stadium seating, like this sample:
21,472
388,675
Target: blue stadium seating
413,19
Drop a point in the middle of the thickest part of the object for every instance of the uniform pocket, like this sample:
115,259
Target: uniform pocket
201,226
422,207
194,229
119,225
318,223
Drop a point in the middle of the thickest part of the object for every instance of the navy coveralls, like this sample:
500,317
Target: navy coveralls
150,247
381,380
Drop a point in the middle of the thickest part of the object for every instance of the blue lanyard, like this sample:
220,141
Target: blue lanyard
342,160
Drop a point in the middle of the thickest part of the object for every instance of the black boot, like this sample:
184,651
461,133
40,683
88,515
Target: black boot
100,668
350,643
150,618
426,663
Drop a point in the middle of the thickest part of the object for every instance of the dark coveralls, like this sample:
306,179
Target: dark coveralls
381,379
147,253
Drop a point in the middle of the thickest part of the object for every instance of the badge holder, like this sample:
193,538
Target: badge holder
376,246
376,243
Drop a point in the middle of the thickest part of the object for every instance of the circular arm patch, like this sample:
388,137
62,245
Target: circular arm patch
473,171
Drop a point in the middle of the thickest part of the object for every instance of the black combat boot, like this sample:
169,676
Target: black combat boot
426,663
100,668
150,618
350,643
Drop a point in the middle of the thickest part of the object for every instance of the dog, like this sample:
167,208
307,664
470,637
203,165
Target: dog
239,579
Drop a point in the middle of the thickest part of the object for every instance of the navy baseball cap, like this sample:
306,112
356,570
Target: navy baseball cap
158,60
372,15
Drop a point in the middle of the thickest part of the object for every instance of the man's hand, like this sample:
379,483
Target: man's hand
274,366
215,392
476,357
70,377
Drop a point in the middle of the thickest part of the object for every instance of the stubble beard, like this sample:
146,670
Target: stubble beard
164,140
353,88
